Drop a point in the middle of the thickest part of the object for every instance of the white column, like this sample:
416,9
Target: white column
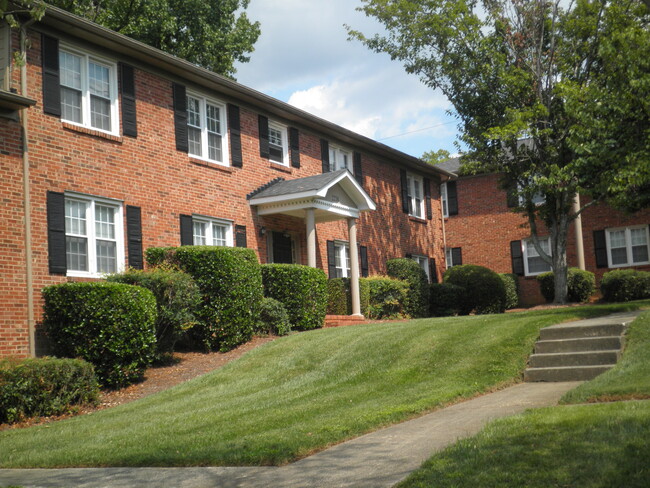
354,267
311,238
580,248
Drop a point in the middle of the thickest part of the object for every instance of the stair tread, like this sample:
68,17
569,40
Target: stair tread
603,351
590,366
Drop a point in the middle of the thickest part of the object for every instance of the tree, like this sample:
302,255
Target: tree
435,157
213,34
536,87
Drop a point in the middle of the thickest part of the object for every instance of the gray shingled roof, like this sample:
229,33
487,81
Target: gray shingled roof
452,165
299,185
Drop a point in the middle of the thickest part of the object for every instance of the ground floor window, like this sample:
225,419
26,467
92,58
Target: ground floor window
627,246
211,232
423,262
533,262
342,258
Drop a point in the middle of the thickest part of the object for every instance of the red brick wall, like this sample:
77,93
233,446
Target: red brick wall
485,226
149,172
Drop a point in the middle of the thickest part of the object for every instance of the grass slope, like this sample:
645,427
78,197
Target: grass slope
630,378
298,394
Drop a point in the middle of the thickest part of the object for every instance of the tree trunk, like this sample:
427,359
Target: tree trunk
559,230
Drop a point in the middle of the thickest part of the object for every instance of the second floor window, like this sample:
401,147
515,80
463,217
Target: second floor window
206,129
415,196
88,91
278,145
340,159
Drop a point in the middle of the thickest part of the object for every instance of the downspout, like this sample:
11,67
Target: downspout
444,233
27,203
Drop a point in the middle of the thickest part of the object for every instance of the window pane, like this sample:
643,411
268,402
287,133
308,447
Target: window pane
75,217
219,235
194,141
639,254
537,265
70,70
106,257
200,238
104,222
275,137
214,147
337,256
619,256
100,113
214,119
71,105
193,112
638,237
76,250
99,80
617,238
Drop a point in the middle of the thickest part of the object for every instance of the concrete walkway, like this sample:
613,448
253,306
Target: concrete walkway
376,460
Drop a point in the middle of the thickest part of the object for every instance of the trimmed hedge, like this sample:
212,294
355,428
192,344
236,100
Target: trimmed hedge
388,297
274,318
512,289
44,386
339,298
177,298
301,289
110,325
444,299
484,291
581,285
623,285
408,270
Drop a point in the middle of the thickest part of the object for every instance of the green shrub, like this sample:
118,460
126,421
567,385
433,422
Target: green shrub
580,285
484,291
301,289
177,298
110,325
417,304
512,289
623,285
44,386
339,298
231,287
444,299
274,318
388,297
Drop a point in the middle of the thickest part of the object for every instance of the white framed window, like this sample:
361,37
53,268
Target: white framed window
206,129
211,232
537,199
443,200
533,263
340,159
423,262
342,258
628,246
94,236
278,144
88,91
415,192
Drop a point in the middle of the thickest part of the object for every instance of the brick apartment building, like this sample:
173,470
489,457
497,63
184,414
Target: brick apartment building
109,147
481,228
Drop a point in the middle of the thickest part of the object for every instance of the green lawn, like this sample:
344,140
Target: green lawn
298,394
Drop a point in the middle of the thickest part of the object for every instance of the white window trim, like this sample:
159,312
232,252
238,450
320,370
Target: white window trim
214,221
444,201
449,258
423,262
285,143
344,257
90,228
338,150
85,90
528,244
628,245
412,180
225,153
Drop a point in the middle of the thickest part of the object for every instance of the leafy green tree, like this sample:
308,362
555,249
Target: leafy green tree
213,34
553,95
435,157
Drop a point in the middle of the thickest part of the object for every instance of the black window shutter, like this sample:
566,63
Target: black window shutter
408,255
456,256
600,248
180,117
127,100
427,197
405,190
187,230
235,136
358,172
56,232
331,260
240,236
263,124
51,81
294,145
433,272
325,155
517,258
452,198
134,236
512,198
363,256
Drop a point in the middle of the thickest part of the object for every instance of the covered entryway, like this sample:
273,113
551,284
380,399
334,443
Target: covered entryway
321,198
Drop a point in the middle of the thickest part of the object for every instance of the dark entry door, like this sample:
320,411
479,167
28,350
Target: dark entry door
282,248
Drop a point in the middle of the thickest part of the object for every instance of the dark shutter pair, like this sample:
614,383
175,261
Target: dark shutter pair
452,198
333,272
56,234
52,87
187,232
426,183
294,141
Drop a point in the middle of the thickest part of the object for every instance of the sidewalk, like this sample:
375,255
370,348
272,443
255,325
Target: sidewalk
376,460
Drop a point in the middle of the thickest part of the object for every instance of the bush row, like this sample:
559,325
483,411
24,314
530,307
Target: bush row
417,300
623,285
580,284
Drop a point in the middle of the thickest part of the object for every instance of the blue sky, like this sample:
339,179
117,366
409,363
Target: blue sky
303,58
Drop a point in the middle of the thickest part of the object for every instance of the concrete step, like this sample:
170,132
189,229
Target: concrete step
579,345
575,331
587,358
567,373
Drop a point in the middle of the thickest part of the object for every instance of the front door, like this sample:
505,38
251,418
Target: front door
282,248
